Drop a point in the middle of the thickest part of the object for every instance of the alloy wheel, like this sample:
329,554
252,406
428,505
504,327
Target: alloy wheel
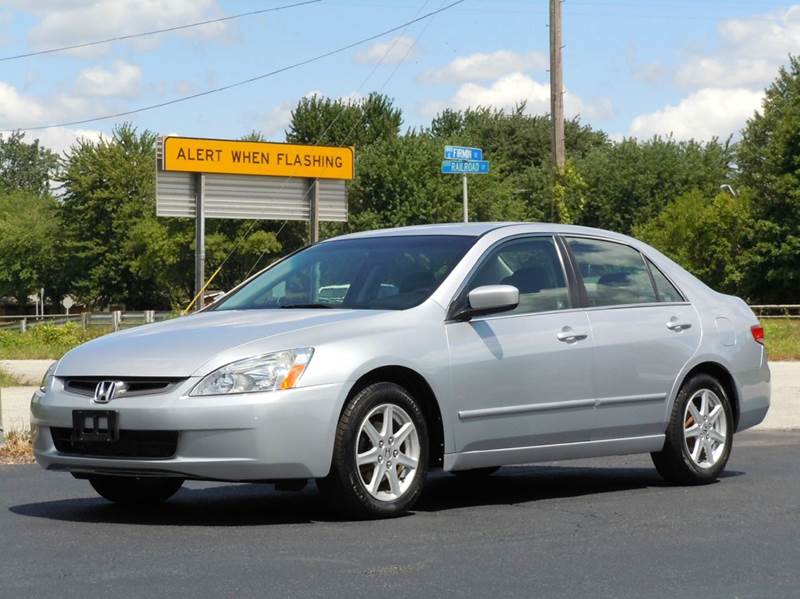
387,452
705,428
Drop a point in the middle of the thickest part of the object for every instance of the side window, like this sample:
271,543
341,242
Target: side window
613,274
666,290
531,265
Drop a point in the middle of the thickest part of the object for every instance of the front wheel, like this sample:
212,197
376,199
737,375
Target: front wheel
380,455
135,491
700,434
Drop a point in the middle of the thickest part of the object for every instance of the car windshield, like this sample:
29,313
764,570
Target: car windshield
371,273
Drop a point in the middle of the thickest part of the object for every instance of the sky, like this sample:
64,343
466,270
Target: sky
690,68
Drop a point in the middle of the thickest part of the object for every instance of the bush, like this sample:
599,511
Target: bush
45,341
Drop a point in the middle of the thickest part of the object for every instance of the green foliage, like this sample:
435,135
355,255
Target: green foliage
320,120
30,245
109,197
769,160
631,181
44,341
25,166
706,235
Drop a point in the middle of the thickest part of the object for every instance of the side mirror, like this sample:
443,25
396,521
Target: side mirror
489,299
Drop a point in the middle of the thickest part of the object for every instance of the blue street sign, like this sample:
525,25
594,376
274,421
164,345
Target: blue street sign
462,153
465,167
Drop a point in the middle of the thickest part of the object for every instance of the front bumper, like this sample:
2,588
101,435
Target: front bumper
259,436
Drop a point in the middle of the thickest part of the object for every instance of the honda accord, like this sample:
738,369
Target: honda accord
365,360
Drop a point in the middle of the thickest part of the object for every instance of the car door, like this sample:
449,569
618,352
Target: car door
644,333
523,377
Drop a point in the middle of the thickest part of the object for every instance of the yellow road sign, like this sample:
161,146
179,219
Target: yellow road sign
190,154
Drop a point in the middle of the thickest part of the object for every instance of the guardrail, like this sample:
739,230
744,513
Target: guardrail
119,320
777,310
114,320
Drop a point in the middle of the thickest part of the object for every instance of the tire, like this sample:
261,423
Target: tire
700,456
370,490
135,491
475,473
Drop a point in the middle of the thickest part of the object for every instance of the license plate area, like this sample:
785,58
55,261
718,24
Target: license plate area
95,425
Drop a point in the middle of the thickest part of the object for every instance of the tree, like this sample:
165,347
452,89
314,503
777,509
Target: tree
108,208
706,235
30,256
320,120
631,181
769,162
25,166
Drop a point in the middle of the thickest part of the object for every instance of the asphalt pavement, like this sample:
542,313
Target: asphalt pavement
590,528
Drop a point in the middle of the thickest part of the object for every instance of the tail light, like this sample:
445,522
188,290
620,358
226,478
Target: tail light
758,333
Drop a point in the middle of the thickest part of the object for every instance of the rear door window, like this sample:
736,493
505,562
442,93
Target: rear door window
613,274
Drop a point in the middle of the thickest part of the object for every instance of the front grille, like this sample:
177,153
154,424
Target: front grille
131,444
130,387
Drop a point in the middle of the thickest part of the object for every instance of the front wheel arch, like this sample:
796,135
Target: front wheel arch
419,388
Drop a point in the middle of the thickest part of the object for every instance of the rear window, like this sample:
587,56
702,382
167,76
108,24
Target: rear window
613,274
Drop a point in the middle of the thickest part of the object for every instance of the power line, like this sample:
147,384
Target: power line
250,79
157,31
355,125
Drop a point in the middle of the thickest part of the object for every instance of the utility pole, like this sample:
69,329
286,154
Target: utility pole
556,87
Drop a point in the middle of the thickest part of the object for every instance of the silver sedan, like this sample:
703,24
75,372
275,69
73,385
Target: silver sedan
366,360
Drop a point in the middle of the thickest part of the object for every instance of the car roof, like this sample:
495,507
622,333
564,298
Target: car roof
478,229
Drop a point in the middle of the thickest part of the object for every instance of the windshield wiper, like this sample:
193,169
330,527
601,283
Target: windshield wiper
306,306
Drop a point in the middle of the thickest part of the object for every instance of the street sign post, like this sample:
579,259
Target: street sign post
462,160
225,178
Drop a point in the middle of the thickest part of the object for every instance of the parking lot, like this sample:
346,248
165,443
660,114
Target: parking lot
600,528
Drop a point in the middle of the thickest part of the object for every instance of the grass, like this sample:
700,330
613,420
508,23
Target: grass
17,449
782,337
45,342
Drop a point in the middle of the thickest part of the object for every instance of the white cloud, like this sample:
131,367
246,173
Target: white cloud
391,52
121,80
19,110
752,50
707,113
707,71
64,23
772,35
60,139
484,66
514,88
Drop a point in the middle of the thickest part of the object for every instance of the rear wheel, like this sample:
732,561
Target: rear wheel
134,491
700,433
380,455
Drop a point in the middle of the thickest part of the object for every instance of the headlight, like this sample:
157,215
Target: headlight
44,386
269,372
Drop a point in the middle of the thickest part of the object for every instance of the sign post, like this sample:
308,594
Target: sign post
219,178
459,160
199,238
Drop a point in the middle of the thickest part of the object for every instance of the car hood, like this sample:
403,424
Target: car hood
179,347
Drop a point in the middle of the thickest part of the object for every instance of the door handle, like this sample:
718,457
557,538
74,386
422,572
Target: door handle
567,335
675,325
